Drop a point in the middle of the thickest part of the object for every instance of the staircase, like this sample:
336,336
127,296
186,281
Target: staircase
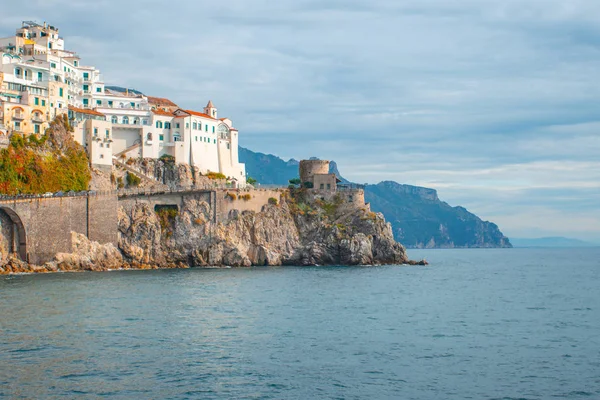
127,150
145,178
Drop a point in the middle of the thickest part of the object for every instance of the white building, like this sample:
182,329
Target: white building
40,79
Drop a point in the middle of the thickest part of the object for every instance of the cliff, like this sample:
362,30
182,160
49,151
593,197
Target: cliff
291,232
419,218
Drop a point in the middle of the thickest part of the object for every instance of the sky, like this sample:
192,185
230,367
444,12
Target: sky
494,103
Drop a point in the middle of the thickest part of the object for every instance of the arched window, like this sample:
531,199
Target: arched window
114,119
136,121
126,119
223,132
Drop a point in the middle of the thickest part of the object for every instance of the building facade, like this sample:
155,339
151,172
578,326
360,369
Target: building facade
40,79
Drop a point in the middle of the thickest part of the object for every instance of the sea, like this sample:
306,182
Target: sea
474,324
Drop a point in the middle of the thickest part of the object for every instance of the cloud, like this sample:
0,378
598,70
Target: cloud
494,103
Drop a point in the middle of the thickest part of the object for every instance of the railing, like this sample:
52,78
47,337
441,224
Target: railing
18,116
90,193
37,119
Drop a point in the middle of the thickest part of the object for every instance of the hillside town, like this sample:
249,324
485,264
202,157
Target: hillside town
40,79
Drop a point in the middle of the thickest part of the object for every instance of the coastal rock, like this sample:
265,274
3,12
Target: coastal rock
283,234
87,256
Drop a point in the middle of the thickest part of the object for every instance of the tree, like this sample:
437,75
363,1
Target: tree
250,180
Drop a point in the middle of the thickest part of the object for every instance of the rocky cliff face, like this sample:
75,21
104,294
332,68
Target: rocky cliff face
420,220
290,233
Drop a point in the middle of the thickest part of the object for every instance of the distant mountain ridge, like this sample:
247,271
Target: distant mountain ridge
556,241
419,218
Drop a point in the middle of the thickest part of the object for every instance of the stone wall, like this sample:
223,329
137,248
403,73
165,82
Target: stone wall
48,223
233,199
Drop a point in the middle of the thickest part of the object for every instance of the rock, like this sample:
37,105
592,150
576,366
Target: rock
278,235
88,256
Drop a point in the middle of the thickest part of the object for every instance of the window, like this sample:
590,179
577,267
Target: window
98,90
322,186
132,105
18,72
126,119
17,126
187,125
75,63
98,102
95,132
177,125
110,103
36,101
85,102
52,65
161,138
215,141
107,133
43,103
177,138
40,76
194,126
167,125
107,145
227,146
61,92
213,129
86,88
114,119
159,124
101,144
36,128
196,138
86,76
328,186
101,155
206,128
200,125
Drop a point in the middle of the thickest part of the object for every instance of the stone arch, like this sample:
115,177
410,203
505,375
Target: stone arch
19,233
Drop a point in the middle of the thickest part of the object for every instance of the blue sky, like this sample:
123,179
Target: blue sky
496,104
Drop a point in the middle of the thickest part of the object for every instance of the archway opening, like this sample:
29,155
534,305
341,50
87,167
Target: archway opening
13,238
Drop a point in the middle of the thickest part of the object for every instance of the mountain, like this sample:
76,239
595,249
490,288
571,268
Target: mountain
551,242
419,218
268,169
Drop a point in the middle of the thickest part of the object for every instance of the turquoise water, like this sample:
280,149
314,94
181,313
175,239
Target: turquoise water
479,324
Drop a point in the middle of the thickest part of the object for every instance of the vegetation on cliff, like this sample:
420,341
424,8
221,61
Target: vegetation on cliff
49,163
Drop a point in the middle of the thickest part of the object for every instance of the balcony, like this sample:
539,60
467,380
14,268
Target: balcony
18,117
37,119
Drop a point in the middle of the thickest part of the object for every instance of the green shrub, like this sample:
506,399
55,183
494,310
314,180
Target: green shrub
250,180
246,197
273,201
133,180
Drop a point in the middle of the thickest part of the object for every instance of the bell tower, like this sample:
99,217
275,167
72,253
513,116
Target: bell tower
210,109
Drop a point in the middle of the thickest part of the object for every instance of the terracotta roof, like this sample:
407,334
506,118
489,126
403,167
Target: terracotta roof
162,112
86,111
198,114
160,101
